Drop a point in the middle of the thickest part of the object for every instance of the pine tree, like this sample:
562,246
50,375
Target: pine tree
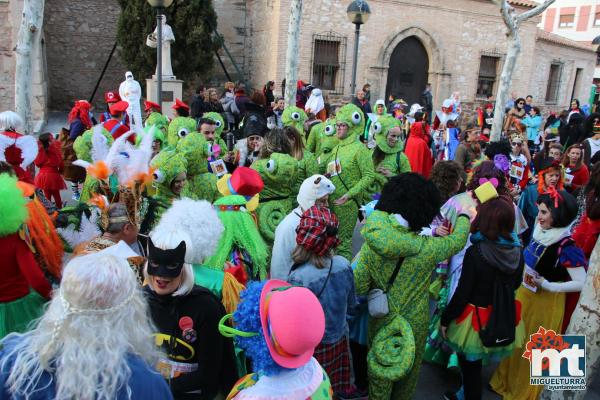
192,52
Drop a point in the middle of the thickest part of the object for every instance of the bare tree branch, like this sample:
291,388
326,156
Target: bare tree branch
533,12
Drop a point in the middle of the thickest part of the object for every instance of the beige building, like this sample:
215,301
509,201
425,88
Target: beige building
456,45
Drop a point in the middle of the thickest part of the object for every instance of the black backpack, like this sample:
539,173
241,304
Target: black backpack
500,328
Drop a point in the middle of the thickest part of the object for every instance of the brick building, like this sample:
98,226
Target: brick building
457,46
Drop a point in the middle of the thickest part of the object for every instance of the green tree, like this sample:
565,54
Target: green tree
193,51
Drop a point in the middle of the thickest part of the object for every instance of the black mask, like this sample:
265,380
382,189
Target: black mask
165,263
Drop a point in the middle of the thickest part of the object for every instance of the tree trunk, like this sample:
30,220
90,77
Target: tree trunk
586,321
29,33
513,22
291,66
514,49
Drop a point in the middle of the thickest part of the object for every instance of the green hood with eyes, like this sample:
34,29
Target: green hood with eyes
158,120
278,173
167,165
176,125
380,130
194,148
294,116
218,119
352,116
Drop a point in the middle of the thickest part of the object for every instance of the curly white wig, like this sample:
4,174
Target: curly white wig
10,120
200,221
95,320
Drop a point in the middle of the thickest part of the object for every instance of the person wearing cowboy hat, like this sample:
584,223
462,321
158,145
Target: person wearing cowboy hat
331,279
279,326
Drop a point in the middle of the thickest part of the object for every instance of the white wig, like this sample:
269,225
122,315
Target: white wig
10,120
200,221
168,238
95,320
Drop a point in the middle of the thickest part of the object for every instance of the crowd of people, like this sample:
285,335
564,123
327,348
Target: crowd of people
249,249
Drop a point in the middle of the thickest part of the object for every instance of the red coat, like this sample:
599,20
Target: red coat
13,156
581,177
417,149
20,271
50,162
117,129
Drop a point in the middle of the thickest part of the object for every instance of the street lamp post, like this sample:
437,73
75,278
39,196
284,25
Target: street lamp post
159,5
358,13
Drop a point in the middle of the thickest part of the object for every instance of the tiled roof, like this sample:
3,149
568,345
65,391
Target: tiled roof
523,3
551,37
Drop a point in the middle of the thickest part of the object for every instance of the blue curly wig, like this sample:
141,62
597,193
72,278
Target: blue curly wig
247,319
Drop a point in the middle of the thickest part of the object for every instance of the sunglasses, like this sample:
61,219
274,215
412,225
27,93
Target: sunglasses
515,144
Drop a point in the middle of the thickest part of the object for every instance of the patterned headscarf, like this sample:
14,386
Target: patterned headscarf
317,230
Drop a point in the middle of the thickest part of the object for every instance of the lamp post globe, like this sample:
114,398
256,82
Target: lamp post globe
358,13
159,5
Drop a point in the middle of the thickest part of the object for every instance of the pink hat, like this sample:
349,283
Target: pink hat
293,322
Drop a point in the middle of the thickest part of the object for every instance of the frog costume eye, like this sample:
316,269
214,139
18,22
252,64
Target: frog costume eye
329,130
218,124
183,132
159,176
296,116
376,127
356,118
271,165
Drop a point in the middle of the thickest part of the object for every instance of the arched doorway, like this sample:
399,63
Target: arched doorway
408,72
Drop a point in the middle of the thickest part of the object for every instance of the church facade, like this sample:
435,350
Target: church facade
455,46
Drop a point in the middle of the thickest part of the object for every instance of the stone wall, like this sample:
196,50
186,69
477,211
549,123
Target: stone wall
79,38
7,59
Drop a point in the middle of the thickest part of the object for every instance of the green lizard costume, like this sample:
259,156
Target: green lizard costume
154,130
201,184
386,240
241,243
395,160
178,129
322,138
167,164
296,117
354,174
279,174
220,126
158,120
83,150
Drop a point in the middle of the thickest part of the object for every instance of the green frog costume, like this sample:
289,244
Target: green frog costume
350,168
83,150
322,138
387,239
220,126
178,129
279,174
395,160
294,116
201,185
158,120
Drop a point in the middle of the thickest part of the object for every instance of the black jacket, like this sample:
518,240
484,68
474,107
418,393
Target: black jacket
482,262
212,352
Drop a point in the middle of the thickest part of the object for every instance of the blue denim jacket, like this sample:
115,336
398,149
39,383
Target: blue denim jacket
338,298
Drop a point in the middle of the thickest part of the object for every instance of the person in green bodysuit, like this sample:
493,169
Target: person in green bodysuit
351,170
179,128
388,158
408,203
279,172
201,185
217,139
296,117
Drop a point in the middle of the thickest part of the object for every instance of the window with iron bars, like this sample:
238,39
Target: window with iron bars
486,80
329,61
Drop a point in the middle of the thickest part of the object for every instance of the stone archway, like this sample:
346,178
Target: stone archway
437,74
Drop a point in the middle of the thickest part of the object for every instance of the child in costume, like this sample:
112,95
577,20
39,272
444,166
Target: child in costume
202,184
330,278
284,367
350,168
202,224
19,304
49,161
392,242
279,172
241,249
554,268
388,157
15,148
